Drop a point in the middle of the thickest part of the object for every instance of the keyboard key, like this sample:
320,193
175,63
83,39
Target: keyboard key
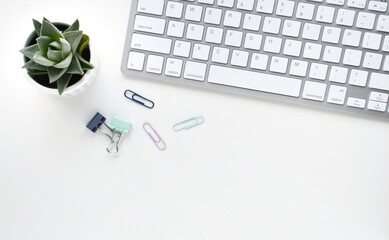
331,34
265,6
135,61
385,46
356,102
272,44
383,23
378,6
379,97
311,31
232,19
292,48
305,11
149,24
325,14
173,67
298,68
365,20
254,81
345,17
233,38
181,48
151,43
214,35
253,41
278,64
201,52
271,25
252,22
358,78
336,95
291,28
195,32
210,2
372,41
154,64
352,57
314,91
336,2
351,38
174,9
154,7
176,29
332,54
225,3
239,58
379,81
356,3
338,74
376,106
245,5
220,55
285,8
312,51
386,64
193,12
318,71
372,61
213,16
195,71
259,61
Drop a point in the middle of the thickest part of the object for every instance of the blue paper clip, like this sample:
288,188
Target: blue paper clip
143,101
117,128
188,123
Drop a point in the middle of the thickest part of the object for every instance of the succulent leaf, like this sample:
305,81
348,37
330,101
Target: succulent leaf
64,63
42,60
74,27
63,82
75,66
37,26
30,51
55,45
83,43
36,72
31,65
43,43
55,74
84,63
74,38
48,29
54,55
66,47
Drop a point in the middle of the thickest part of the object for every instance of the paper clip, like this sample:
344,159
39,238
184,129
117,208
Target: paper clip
143,101
117,128
188,123
161,145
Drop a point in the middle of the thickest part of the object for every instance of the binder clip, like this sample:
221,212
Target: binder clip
117,128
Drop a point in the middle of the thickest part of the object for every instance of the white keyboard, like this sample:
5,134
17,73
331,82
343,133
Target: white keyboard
326,53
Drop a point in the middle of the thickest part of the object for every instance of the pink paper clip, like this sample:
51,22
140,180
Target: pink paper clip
158,141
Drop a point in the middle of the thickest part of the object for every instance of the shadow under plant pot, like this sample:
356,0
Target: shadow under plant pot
77,83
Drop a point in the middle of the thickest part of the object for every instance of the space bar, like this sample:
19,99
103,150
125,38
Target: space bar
255,81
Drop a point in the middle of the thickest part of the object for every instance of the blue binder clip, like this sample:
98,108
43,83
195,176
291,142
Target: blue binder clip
142,100
117,128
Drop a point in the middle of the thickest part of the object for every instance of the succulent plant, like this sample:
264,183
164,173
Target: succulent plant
57,54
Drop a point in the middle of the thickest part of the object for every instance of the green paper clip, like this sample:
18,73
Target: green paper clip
118,127
188,123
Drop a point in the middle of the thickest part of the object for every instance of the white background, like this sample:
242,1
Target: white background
254,170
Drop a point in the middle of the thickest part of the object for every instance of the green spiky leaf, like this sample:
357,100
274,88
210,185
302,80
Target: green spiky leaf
30,51
36,73
48,29
54,55
66,48
31,65
75,66
63,82
43,43
42,60
55,74
37,26
64,63
74,38
83,44
74,27
84,63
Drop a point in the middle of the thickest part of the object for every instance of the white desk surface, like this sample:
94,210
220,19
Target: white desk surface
256,170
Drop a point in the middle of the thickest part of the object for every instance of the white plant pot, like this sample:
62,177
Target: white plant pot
76,88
